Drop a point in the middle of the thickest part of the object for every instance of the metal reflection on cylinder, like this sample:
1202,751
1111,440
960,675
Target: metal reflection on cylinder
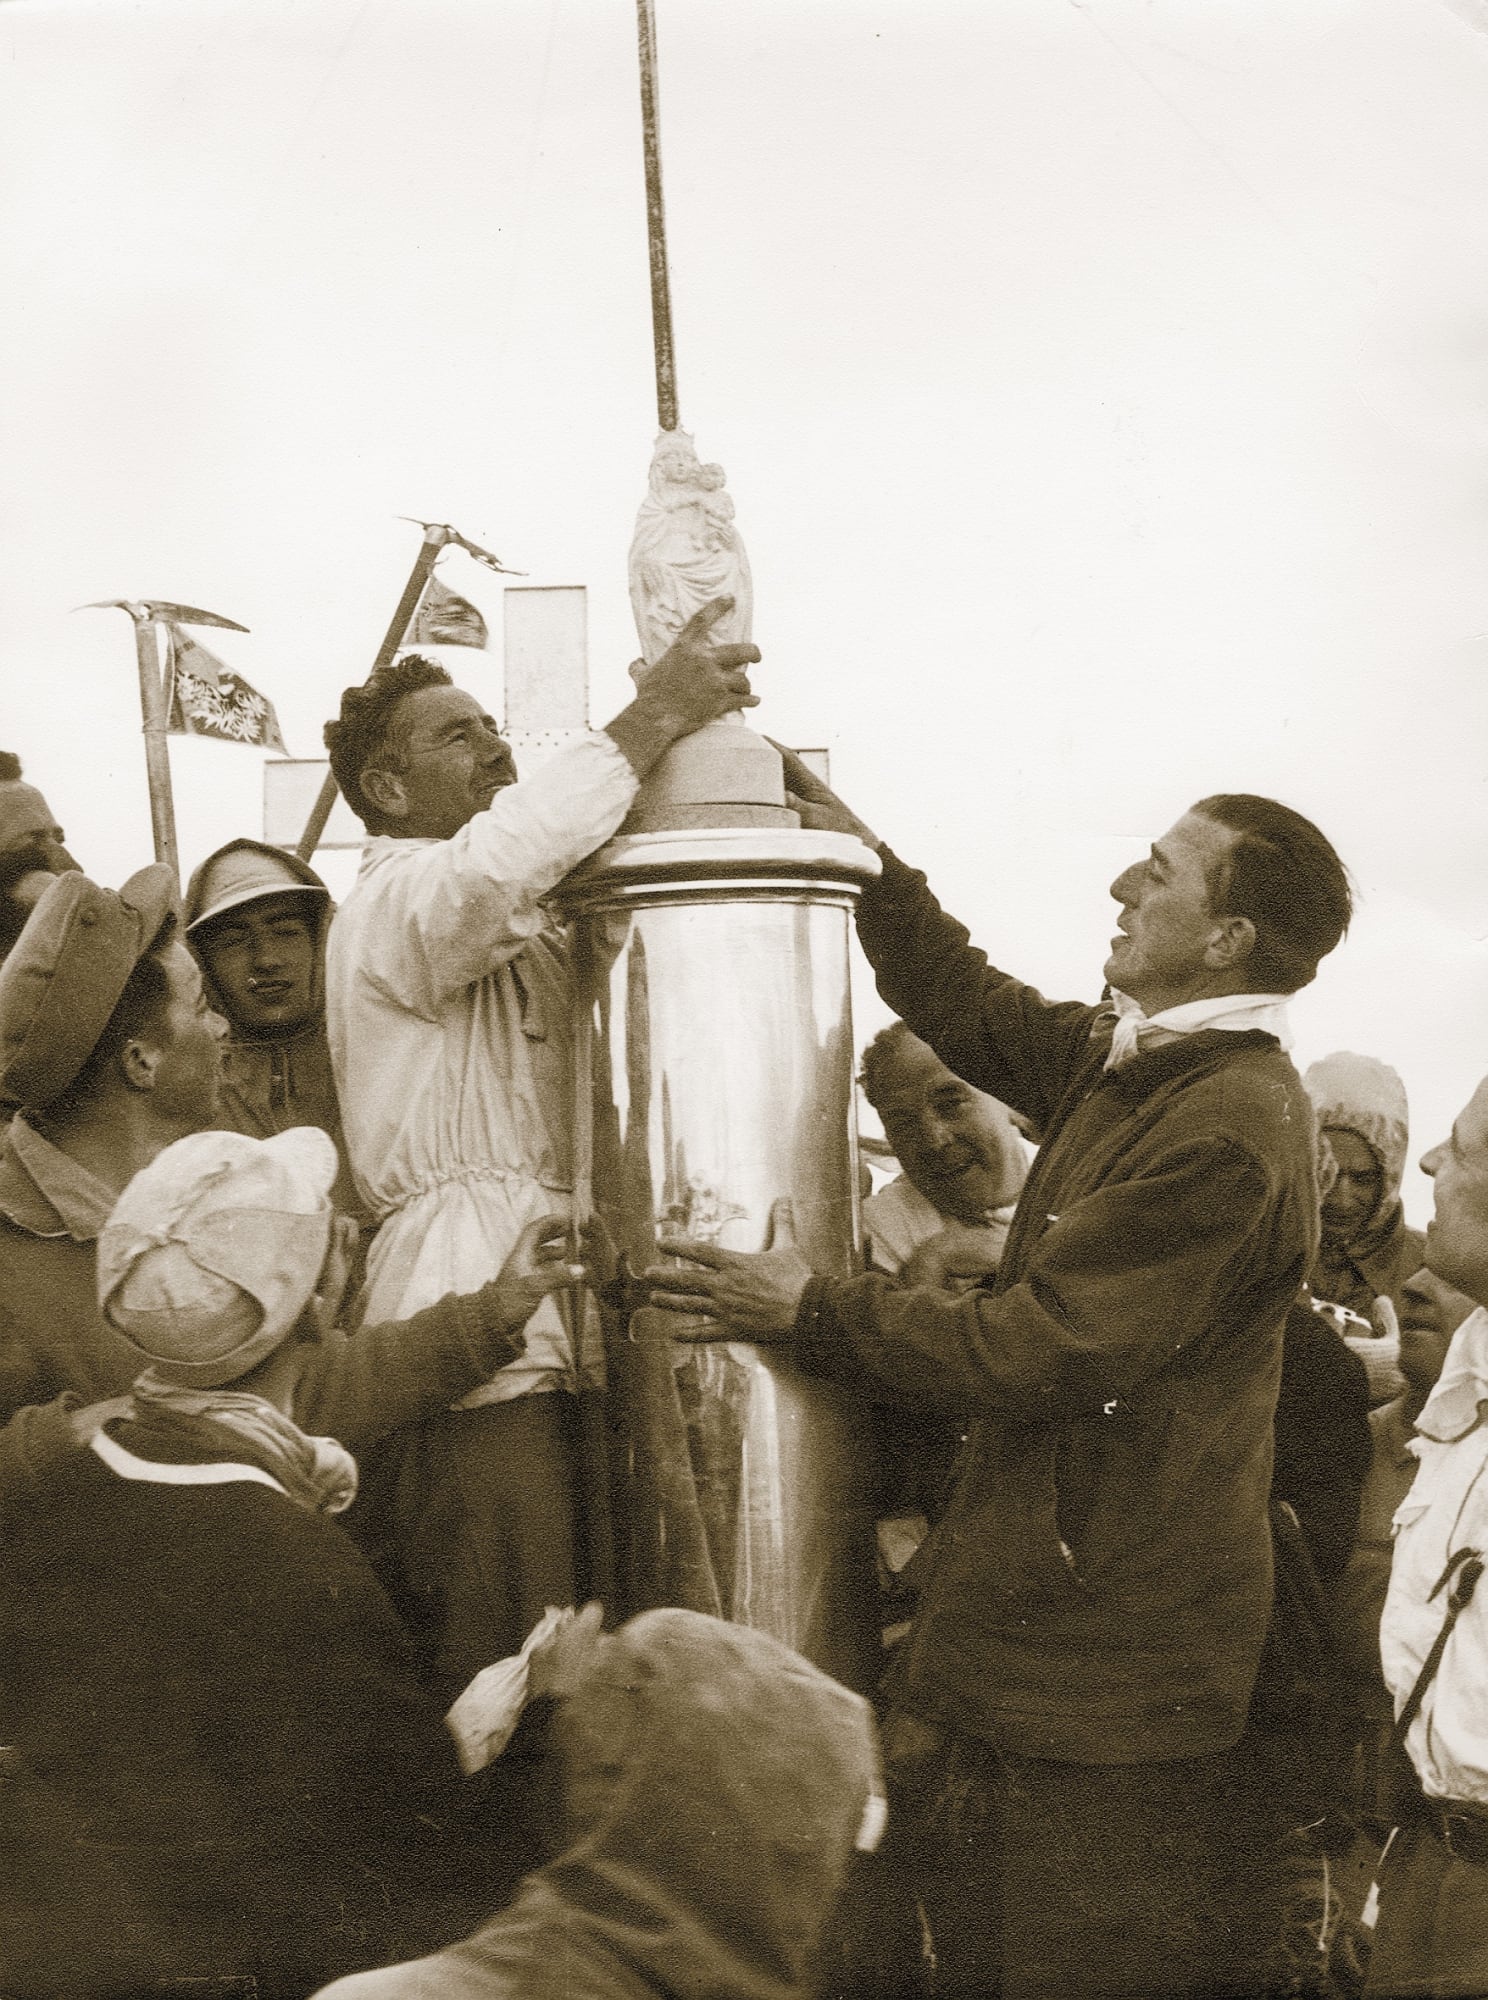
715,1073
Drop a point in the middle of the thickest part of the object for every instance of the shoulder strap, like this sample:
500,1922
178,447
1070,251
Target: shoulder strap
1462,1573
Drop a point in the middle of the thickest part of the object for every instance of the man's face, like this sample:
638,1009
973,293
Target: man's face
1430,1313
1358,1186
1160,953
948,1138
189,1071
455,761
262,959
1457,1237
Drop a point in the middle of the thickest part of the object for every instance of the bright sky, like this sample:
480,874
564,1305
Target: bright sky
1103,388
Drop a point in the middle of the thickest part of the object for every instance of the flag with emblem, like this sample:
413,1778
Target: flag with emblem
208,699
444,618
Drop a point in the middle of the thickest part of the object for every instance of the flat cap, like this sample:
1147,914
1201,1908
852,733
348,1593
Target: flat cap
67,974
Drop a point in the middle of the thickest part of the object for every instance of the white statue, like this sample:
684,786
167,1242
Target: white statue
686,550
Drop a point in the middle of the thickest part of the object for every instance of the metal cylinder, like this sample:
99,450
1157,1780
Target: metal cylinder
715,1073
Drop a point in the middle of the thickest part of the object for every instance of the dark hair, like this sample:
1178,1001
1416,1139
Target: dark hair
1284,875
880,1052
10,767
139,1011
362,737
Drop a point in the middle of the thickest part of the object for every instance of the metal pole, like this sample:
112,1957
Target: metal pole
435,538
157,751
661,290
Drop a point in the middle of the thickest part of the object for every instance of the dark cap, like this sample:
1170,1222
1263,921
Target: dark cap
67,974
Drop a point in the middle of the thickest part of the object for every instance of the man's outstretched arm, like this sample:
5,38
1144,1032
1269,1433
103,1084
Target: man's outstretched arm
1000,1035
1117,1286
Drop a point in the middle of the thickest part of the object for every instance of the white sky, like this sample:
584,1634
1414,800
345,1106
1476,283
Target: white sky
1103,387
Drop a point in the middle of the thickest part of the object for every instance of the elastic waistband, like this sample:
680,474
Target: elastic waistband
427,1184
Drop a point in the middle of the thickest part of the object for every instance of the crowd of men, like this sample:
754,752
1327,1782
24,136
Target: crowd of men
1176,1424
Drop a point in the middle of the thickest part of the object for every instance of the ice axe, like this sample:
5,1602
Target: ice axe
438,535
147,613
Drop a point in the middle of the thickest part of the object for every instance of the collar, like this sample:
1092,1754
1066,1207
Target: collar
213,1472
48,1193
1455,1405
1234,1013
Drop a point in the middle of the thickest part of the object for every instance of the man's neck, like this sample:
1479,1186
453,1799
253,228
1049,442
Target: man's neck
113,1140
1159,1002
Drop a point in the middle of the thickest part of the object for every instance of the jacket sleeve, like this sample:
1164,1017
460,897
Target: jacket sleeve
358,1386
454,909
1324,1444
1116,1287
996,1033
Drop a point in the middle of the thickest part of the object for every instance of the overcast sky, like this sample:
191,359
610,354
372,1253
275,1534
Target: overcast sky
1102,384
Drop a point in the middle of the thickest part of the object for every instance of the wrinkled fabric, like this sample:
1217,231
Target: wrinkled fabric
1444,1514
1235,1013
713,1786
447,1004
316,1473
211,1679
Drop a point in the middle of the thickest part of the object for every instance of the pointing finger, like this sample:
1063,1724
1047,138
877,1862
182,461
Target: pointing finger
701,623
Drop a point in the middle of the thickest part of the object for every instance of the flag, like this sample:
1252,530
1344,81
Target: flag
209,699
445,619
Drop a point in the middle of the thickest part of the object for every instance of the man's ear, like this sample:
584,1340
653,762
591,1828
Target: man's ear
1232,943
139,1061
384,790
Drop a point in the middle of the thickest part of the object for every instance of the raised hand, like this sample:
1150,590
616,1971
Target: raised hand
539,1263
816,802
696,681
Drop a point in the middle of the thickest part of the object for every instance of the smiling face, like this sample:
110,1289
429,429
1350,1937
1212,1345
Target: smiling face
1358,1185
261,956
453,761
1170,947
951,1140
1457,1236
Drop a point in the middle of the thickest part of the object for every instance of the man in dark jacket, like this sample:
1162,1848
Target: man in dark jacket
198,1661
1078,1675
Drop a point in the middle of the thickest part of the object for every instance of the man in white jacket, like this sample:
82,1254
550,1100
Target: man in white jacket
447,1006
1433,1886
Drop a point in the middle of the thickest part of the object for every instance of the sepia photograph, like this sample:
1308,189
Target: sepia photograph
743,999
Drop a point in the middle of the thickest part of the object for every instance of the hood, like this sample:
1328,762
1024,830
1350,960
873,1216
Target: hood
295,872
714,1784
1363,1095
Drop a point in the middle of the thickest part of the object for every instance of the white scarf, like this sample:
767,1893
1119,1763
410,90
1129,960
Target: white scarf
1234,1012
317,1473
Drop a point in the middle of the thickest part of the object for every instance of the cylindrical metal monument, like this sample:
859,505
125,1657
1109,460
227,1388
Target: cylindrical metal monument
715,1070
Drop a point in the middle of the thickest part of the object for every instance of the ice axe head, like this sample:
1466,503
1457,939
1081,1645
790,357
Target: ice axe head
443,536
153,610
